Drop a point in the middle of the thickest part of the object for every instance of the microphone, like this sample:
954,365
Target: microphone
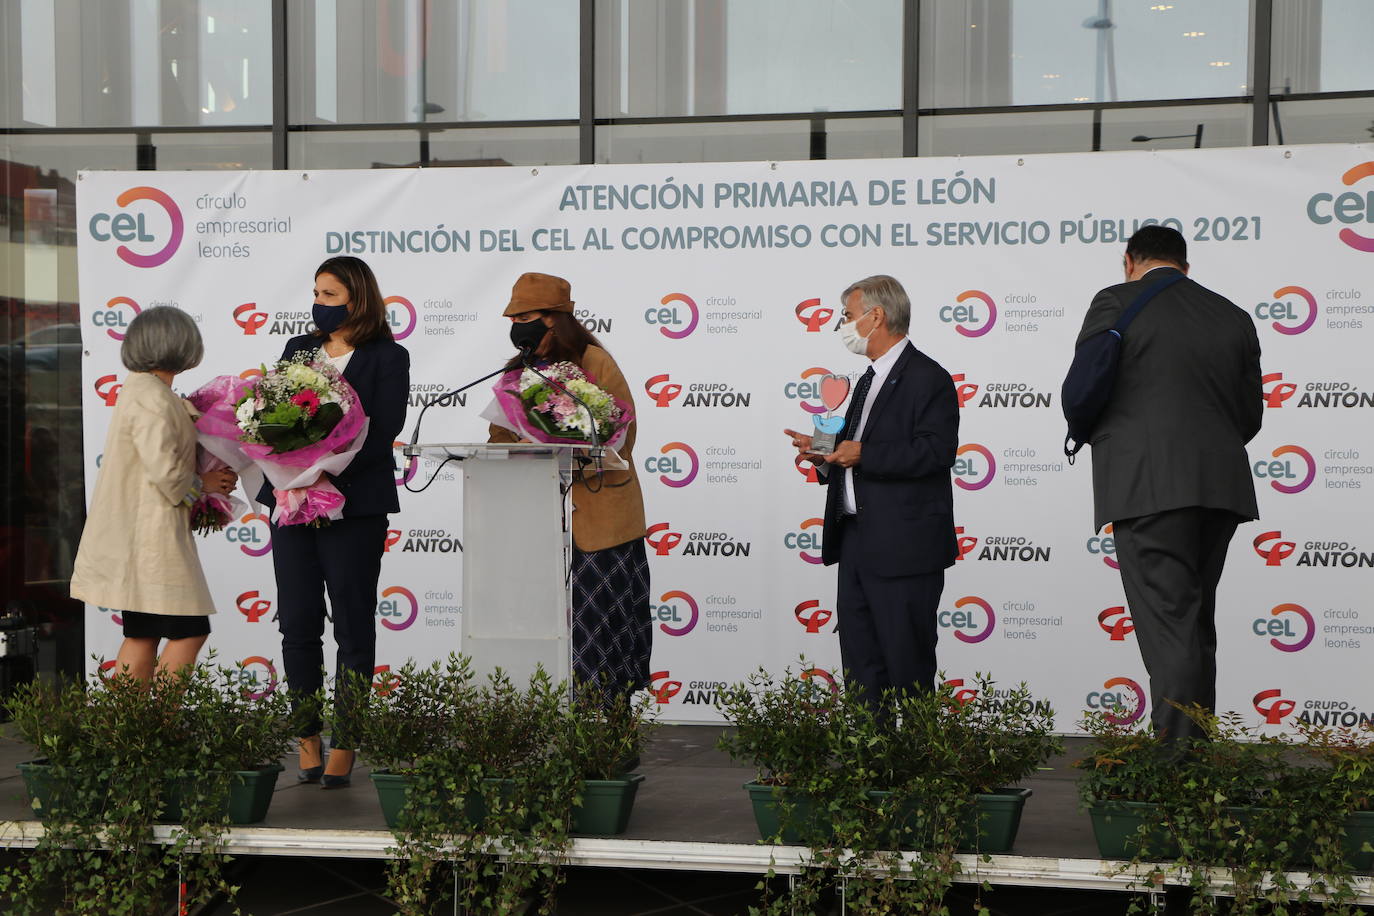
410,451
596,441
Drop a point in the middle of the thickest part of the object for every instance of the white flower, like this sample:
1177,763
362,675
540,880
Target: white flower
306,377
244,413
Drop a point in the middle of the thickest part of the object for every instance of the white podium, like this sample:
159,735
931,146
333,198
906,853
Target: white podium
517,602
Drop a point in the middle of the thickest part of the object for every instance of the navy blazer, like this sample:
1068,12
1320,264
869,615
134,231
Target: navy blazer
902,485
380,373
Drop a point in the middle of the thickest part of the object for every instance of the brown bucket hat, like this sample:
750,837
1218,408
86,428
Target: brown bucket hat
539,293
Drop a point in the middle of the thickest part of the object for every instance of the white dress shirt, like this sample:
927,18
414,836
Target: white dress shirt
882,367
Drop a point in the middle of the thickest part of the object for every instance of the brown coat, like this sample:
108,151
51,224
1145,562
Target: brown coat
614,514
137,552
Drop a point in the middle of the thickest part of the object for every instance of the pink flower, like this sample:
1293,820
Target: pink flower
307,399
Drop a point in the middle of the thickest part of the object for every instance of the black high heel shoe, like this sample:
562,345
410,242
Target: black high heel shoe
312,774
340,780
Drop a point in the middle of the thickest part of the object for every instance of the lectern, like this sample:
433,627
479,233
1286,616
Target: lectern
516,551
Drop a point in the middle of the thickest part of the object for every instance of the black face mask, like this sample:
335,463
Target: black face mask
527,335
328,318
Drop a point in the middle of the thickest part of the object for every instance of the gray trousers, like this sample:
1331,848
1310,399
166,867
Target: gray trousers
1170,564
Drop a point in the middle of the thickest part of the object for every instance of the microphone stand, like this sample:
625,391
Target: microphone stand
596,451
410,451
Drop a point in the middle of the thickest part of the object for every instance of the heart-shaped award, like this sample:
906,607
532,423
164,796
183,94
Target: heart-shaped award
834,390
832,424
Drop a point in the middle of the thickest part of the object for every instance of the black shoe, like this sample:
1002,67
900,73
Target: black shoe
312,774
341,780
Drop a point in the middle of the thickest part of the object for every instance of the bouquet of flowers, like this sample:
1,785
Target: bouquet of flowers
538,411
297,422
212,511
293,405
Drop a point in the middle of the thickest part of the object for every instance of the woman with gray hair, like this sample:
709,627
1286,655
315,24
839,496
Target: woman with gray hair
137,556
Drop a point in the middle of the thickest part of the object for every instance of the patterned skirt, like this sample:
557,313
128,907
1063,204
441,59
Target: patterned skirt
612,632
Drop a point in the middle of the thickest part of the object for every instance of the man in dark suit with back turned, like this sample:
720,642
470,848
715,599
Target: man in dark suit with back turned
889,515
1170,471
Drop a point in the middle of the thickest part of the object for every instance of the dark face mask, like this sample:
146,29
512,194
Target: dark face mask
328,318
527,335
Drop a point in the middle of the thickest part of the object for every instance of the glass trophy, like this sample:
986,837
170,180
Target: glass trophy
834,390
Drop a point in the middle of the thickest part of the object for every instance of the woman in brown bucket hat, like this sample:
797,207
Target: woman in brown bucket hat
611,627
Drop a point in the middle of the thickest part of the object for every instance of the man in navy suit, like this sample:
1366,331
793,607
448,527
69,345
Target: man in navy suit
889,508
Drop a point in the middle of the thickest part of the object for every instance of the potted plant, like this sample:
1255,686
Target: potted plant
137,737
497,780
1001,738
464,768
228,741
410,716
791,731
605,733
902,751
985,743
1341,766
70,777
1127,772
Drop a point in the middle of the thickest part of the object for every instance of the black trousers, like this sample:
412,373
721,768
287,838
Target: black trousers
887,624
343,558
1170,564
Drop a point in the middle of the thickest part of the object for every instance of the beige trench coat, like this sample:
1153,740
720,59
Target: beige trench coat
137,552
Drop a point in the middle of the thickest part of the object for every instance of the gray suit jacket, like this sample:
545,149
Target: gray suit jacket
1187,399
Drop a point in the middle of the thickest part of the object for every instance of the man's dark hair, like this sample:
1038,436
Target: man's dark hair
1158,243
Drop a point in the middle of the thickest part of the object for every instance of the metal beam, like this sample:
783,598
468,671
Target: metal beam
280,94
741,858
586,91
1261,58
911,75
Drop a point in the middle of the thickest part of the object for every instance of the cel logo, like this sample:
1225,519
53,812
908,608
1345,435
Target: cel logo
673,470
1300,467
397,608
127,226
1286,309
400,316
960,620
668,316
977,470
113,316
669,614
975,308
1348,208
1287,621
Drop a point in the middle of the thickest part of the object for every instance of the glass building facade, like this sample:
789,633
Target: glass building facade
328,84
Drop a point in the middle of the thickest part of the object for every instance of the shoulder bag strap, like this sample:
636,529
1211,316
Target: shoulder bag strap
1149,293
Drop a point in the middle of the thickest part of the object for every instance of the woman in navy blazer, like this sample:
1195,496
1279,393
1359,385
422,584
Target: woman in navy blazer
344,557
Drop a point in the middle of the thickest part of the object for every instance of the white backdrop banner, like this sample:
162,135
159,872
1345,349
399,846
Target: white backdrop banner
715,286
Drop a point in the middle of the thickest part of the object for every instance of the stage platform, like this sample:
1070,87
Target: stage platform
691,814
